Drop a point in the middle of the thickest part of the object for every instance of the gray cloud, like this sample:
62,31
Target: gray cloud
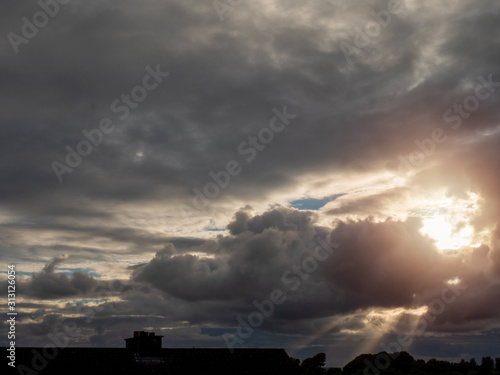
48,284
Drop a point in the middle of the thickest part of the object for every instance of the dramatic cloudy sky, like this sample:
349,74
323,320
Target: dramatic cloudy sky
383,146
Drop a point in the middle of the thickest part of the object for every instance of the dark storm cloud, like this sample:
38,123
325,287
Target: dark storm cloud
385,264
48,284
57,283
256,258
221,89
281,219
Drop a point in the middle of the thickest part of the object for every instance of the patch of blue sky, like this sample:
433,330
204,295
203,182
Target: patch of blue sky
19,273
313,203
211,227
87,301
88,271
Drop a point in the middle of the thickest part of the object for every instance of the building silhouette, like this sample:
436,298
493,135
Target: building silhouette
144,344
143,354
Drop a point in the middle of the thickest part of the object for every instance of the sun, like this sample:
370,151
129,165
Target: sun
446,237
448,220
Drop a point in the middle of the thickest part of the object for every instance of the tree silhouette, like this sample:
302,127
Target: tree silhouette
473,363
487,366
314,365
403,363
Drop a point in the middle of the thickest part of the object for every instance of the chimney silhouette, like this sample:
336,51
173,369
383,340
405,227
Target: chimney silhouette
145,344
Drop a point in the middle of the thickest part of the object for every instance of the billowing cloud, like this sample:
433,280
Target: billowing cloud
48,284
388,264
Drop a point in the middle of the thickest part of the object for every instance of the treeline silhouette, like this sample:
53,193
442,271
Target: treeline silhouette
400,363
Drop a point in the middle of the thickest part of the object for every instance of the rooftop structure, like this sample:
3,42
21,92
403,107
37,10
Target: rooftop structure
145,344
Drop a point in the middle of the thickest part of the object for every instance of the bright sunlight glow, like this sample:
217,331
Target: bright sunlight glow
439,229
447,221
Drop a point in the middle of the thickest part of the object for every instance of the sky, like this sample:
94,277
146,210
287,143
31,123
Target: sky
319,176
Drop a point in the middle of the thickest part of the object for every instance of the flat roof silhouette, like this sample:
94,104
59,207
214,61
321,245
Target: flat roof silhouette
122,361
